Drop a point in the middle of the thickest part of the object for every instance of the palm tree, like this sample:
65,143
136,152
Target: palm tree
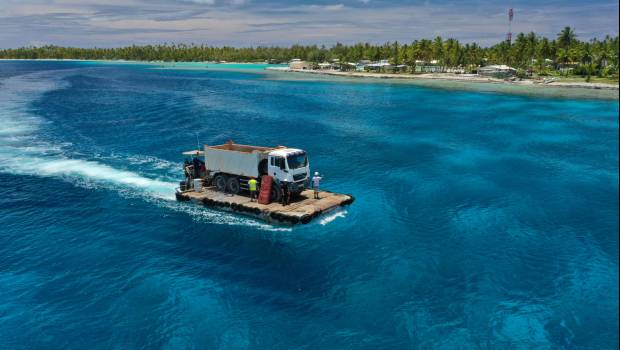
566,37
561,57
543,51
585,56
396,53
413,54
438,52
519,51
426,49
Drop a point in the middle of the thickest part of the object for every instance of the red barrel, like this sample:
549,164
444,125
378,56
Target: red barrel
264,197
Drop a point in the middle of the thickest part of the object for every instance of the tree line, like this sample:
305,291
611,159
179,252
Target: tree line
527,52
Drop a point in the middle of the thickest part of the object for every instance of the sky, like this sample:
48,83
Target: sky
113,23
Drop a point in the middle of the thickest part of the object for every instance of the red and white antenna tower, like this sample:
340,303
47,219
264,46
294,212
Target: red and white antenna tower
511,14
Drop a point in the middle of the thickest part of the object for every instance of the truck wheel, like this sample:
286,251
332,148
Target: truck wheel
233,185
276,193
220,183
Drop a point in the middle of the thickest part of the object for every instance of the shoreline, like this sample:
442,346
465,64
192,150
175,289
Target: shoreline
472,78
466,82
124,61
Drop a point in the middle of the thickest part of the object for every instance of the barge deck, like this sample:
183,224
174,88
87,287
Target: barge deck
303,208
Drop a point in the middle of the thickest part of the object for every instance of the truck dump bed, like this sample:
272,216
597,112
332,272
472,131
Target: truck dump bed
230,146
235,159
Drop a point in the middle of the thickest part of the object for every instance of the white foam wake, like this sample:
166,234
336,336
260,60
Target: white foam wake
24,152
89,171
329,217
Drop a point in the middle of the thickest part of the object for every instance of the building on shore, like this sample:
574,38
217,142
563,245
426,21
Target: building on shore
567,67
379,66
360,66
401,68
455,70
296,63
497,71
348,66
432,66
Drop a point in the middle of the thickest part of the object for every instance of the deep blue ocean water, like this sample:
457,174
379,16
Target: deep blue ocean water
481,221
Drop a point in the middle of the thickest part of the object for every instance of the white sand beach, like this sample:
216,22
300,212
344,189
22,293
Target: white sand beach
451,76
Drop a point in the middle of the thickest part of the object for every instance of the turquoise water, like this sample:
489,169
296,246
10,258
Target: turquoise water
481,220
189,65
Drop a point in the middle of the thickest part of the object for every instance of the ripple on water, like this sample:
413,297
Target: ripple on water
480,220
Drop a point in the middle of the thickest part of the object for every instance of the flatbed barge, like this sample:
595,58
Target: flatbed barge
302,209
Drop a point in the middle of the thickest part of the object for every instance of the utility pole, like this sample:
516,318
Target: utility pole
509,34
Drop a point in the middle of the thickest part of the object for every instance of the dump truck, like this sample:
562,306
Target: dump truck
217,177
230,166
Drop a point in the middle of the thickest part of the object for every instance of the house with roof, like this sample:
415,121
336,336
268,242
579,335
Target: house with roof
428,66
360,66
497,71
378,66
297,63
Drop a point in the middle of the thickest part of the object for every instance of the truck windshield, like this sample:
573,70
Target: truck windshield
296,161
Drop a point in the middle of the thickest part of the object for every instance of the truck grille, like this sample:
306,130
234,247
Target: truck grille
298,177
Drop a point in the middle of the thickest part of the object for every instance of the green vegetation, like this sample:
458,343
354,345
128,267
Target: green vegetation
529,53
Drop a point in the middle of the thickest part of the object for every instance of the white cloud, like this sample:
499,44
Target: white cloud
208,2
213,2
122,22
336,7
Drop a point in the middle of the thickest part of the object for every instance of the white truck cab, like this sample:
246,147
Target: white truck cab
290,165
